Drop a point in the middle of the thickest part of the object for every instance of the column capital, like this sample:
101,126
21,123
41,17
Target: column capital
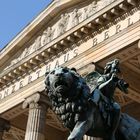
37,98
4,125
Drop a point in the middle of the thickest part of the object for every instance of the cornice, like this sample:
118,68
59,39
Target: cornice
83,29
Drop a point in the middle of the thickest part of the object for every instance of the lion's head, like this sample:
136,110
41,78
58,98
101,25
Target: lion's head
67,91
60,80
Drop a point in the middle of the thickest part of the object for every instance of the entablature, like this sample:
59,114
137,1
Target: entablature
93,25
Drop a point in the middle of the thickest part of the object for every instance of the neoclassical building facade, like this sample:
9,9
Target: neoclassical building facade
72,33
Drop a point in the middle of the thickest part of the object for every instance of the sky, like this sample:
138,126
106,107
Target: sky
15,15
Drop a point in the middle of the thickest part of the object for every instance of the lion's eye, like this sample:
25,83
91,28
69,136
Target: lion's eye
53,72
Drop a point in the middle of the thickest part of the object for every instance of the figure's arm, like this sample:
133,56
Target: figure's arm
103,84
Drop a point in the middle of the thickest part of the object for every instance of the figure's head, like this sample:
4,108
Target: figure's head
115,66
94,2
112,66
62,15
107,69
75,10
115,63
49,28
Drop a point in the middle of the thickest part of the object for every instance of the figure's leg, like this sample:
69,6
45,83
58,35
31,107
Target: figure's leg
116,119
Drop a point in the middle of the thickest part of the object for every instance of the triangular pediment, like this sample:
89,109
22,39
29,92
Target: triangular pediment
60,17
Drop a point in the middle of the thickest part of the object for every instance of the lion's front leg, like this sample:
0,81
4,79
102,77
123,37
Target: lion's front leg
79,130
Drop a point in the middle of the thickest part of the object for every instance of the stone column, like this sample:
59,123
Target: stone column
139,44
37,104
4,126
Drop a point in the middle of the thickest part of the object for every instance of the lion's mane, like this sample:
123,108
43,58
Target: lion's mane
71,107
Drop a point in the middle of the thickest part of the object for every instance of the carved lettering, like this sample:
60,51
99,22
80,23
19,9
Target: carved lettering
21,84
56,64
6,92
75,52
29,79
95,42
13,88
106,35
48,68
38,73
129,22
66,57
118,28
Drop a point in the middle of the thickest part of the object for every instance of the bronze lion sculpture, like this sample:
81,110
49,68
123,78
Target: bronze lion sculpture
69,95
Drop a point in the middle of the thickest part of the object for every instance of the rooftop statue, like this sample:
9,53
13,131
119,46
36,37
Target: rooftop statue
87,105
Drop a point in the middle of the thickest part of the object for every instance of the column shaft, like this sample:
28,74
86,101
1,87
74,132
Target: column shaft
35,129
36,124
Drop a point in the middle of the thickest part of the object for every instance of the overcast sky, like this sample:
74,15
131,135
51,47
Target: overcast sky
15,15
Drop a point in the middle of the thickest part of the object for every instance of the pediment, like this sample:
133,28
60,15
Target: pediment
63,15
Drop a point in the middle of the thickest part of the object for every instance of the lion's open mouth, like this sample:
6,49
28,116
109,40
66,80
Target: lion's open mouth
60,86
60,83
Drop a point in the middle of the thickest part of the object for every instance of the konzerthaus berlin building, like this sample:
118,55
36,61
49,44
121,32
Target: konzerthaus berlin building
70,33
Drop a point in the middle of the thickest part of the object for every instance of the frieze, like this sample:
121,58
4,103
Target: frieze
66,21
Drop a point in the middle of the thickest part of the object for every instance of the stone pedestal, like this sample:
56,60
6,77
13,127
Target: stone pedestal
35,129
4,126
91,138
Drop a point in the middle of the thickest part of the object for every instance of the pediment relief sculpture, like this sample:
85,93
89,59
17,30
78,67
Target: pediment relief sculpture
90,10
75,17
47,36
65,22
27,51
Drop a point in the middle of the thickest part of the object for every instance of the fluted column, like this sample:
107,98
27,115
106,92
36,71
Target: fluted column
4,126
37,104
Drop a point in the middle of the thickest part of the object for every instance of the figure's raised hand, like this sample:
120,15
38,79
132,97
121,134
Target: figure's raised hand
114,75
